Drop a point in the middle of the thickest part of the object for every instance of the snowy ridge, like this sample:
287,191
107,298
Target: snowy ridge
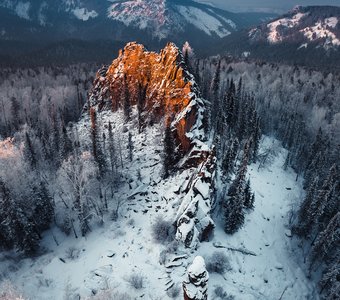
163,17
306,25
24,9
274,36
320,31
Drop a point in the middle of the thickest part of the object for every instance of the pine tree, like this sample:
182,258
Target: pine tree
97,150
6,232
18,231
330,283
214,91
228,162
27,237
256,136
233,209
249,197
168,151
29,153
43,210
15,110
112,150
325,200
130,147
66,145
304,226
234,204
327,240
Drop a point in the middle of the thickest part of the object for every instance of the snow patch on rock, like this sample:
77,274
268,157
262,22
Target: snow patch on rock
320,31
274,36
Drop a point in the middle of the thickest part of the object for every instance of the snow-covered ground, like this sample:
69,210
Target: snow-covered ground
105,259
275,269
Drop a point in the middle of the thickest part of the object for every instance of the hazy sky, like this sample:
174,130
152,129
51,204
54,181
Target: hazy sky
267,5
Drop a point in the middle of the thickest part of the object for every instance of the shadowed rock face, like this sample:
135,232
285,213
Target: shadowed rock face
160,83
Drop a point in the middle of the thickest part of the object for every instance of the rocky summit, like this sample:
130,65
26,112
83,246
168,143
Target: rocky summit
161,84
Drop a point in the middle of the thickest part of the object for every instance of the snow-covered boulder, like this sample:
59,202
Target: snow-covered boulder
195,285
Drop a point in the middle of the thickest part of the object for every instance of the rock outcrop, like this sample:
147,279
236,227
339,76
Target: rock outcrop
195,285
161,84
162,89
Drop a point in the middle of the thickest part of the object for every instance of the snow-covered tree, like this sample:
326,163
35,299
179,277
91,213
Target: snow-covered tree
77,181
97,149
327,241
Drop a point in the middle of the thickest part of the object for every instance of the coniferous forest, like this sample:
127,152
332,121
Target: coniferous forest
173,173
46,180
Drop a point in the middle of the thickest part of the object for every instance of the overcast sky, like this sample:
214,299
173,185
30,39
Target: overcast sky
267,5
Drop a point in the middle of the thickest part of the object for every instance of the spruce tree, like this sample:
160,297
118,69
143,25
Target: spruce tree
43,210
228,162
17,230
29,153
214,91
112,150
97,150
6,231
66,144
27,236
256,136
233,209
327,241
249,197
130,147
304,225
330,283
231,114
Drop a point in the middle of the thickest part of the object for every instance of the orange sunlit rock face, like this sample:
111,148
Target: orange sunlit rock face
159,82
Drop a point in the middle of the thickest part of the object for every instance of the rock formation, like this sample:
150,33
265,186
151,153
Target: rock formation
195,285
163,90
161,84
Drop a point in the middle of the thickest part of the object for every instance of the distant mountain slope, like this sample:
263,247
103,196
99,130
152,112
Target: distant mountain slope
164,18
315,26
151,22
306,35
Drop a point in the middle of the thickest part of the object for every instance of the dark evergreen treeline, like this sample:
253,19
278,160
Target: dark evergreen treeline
301,108
234,125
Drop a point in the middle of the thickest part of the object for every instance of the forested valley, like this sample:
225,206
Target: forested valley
50,175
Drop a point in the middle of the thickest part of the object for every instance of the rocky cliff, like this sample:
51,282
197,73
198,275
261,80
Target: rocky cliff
162,90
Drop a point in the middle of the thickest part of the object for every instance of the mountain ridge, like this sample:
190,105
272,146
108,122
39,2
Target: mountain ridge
308,36
47,22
